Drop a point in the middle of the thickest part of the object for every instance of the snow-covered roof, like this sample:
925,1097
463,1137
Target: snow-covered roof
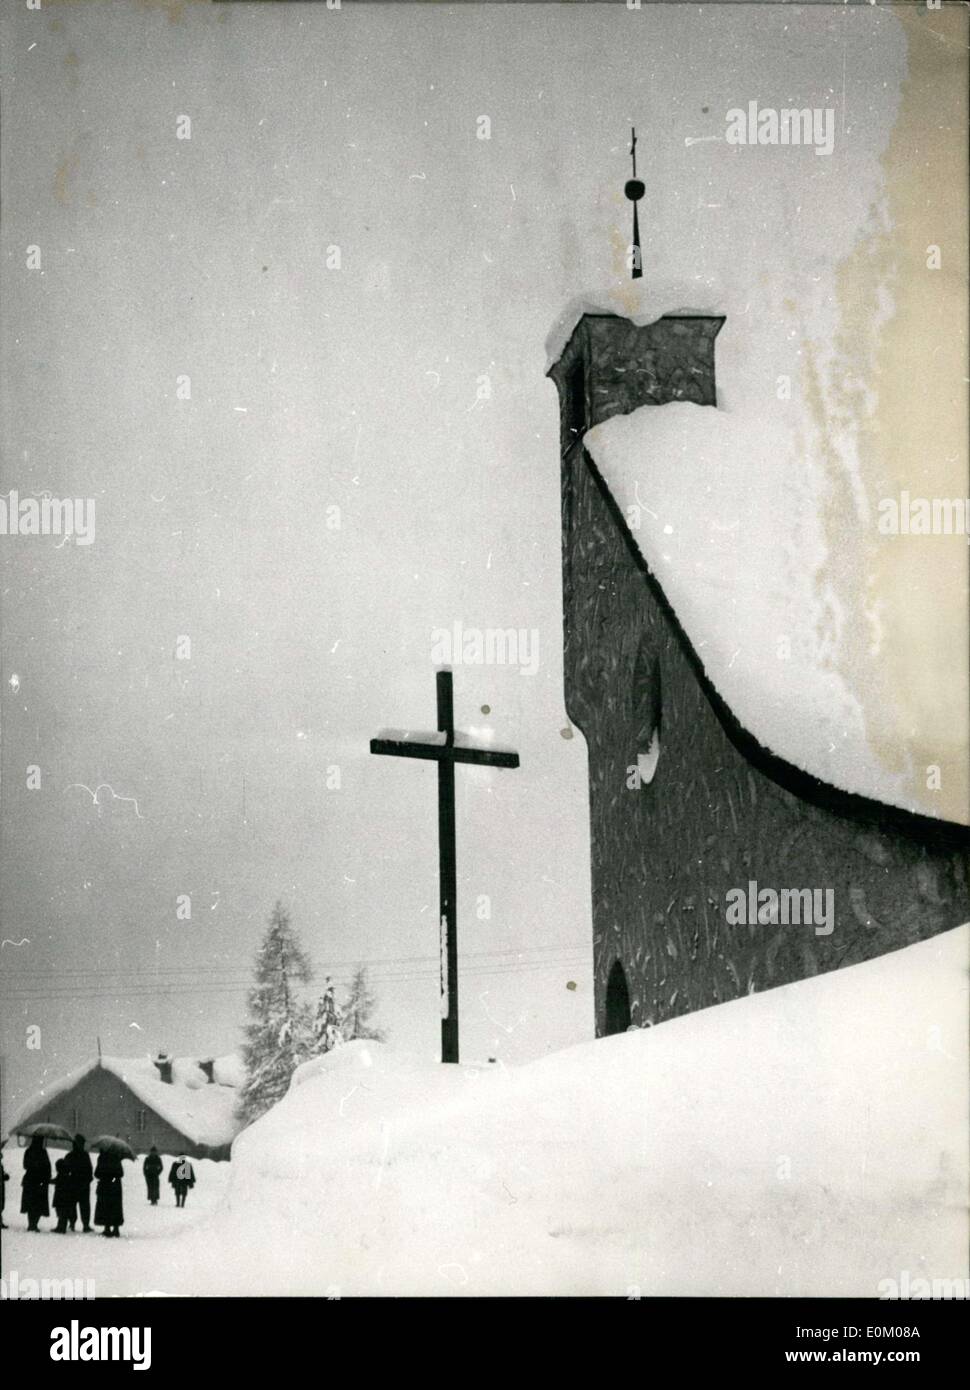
204,1112
759,521
229,1070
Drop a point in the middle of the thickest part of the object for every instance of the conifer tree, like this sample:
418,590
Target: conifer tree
278,1034
358,1009
327,1022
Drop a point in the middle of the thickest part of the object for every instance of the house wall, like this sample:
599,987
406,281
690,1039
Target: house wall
101,1103
718,812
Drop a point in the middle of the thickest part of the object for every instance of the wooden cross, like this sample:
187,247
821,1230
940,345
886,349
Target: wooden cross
444,749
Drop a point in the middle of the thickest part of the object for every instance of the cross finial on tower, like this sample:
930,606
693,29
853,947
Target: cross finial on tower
635,190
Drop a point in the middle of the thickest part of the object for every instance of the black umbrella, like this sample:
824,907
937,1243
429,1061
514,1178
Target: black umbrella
45,1131
111,1144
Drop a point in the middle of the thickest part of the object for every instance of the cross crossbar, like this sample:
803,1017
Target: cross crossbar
446,749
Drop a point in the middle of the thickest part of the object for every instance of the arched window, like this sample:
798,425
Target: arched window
576,416
617,1001
647,711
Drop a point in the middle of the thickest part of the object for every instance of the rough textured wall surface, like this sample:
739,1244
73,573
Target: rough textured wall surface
670,360
717,813
618,366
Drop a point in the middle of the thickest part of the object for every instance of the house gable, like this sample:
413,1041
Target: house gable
102,1103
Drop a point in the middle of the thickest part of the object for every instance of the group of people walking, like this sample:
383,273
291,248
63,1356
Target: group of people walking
181,1176
72,1177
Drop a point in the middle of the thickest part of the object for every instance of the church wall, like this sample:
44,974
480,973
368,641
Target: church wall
666,853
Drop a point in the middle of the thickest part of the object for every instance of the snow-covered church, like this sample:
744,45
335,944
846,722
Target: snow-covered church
737,842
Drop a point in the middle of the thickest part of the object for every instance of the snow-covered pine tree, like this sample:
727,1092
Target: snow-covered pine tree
278,1034
358,1008
326,1022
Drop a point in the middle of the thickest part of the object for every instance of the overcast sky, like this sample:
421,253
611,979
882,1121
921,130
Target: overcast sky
314,387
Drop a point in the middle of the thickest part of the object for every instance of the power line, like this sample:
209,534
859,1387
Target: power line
323,967
37,989
242,990
38,995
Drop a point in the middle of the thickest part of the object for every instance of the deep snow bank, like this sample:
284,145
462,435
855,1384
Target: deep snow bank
810,1140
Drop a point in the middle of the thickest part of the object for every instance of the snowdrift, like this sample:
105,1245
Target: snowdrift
806,1141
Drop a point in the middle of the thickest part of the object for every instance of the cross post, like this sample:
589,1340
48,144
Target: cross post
443,749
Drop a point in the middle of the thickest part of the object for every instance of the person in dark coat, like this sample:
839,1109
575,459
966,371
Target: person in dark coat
79,1166
4,1179
65,1196
152,1168
108,1209
36,1180
182,1177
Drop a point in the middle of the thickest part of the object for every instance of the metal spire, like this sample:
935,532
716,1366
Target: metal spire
635,190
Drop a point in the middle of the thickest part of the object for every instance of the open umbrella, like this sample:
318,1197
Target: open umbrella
111,1144
45,1131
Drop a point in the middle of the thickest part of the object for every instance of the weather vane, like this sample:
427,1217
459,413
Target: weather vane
635,190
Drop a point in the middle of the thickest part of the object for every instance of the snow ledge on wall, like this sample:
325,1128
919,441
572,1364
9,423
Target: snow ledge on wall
737,544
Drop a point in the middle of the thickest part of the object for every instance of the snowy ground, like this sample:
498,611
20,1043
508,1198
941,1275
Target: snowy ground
123,1266
810,1140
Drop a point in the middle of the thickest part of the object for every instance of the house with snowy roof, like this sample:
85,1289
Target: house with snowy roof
742,833
179,1105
